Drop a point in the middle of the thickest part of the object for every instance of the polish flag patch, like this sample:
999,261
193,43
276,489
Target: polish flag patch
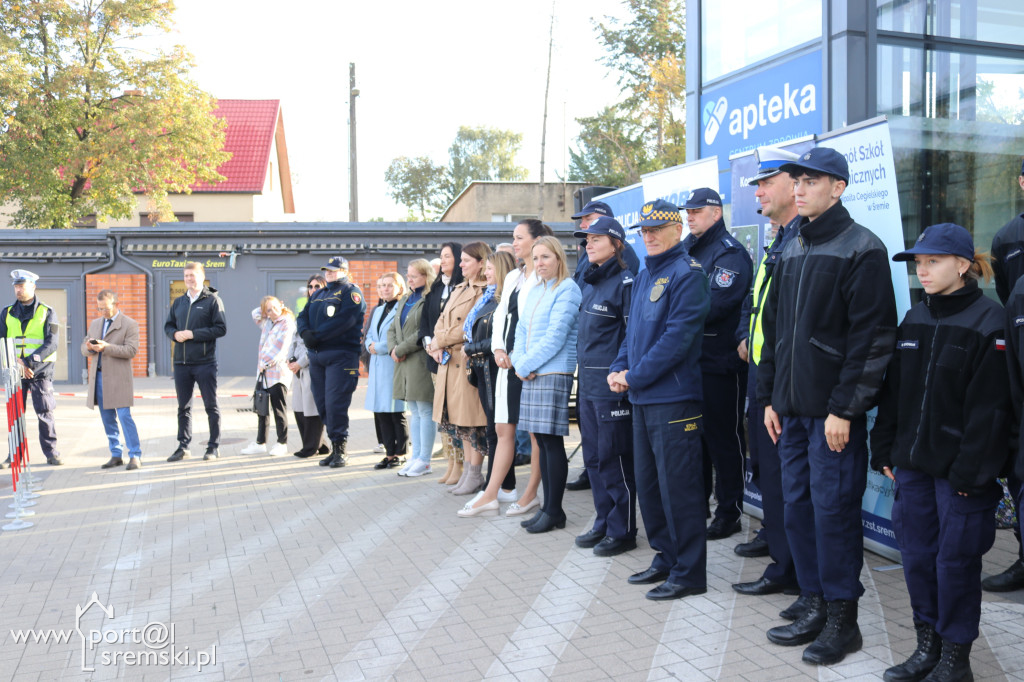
1000,344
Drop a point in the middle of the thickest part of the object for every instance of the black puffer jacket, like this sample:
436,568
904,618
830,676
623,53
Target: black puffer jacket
945,405
205,319
829,321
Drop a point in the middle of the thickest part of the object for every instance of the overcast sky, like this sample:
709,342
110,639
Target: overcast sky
422,69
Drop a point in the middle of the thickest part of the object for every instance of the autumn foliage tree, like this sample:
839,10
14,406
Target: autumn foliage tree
89,116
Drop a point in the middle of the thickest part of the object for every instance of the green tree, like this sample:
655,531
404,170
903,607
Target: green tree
417,183
475,154
88,119
482,154
648,52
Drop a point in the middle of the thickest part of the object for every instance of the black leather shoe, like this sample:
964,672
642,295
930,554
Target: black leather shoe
614,546
762,587
302,454
211,453
54,461
589,539
651,575
667,590
388,462
922,661
113,462
840,637
721,529
1009,580
133,464
954,664
324,449
806,628
179,454
755,548
581,483
546,523
530,521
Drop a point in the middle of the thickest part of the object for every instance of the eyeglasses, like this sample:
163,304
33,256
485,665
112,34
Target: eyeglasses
315,286
653,229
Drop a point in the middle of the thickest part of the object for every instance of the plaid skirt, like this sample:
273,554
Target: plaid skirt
544,406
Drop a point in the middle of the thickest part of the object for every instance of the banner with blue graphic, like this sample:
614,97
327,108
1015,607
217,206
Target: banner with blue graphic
768,108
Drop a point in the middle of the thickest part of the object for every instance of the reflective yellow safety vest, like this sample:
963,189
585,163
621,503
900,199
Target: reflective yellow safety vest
26,343
760,295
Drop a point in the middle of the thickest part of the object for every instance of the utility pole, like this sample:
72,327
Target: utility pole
544,124
353,175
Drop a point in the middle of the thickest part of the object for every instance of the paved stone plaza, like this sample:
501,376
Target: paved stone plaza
277,569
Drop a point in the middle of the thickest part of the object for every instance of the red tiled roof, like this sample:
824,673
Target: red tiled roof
249,137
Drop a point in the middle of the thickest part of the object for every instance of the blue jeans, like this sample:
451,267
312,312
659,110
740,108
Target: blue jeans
422,429
110,418
523,444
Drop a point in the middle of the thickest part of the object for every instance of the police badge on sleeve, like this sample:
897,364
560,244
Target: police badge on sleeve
724,278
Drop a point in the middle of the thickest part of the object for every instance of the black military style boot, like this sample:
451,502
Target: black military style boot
841,635
806,628
337,457
922,661
954,665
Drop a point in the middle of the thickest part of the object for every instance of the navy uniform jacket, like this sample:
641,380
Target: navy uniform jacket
604,313
1008,256
669,302
335,316
729,269
583,262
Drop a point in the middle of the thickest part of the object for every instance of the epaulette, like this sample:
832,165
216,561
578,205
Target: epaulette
694,265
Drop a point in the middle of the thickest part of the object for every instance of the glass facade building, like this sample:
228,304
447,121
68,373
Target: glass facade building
948,75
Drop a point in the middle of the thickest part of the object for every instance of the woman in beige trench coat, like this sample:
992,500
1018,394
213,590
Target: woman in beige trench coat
457,407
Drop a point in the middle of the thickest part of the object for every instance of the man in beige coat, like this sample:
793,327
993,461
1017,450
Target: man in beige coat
112,342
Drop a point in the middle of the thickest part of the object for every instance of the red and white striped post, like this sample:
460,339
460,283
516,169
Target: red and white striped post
17,444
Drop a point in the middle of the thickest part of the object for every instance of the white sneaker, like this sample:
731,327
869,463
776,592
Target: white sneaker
404,471
418,468
278,450
254,448
379,449
507,496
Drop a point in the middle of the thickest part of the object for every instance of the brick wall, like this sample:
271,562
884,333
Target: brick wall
131,296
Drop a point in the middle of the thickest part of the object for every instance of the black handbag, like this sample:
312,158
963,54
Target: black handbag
261,396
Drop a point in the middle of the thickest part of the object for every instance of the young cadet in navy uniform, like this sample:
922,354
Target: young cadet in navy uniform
723,373
330,326
942,436
659,364
829,330
775,194
1008,264
33,325
606,424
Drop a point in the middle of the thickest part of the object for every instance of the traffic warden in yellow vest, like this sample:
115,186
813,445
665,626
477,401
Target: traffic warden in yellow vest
33,325
775,195
724,376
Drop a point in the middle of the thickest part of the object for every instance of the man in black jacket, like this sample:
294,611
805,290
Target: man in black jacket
829,331
194,323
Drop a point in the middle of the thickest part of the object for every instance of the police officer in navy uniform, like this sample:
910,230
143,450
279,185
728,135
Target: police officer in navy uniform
723,373
659,365
587,216
1008,265
33,325
605,418
775,195
330,326
829,327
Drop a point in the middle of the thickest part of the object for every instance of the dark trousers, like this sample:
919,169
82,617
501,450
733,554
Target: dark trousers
333,376
486,374
554,470
311,429
279,408
44,404
724,445
186,377
606,428
764,460
823,492
395,432
942,537
669,482
1016,489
